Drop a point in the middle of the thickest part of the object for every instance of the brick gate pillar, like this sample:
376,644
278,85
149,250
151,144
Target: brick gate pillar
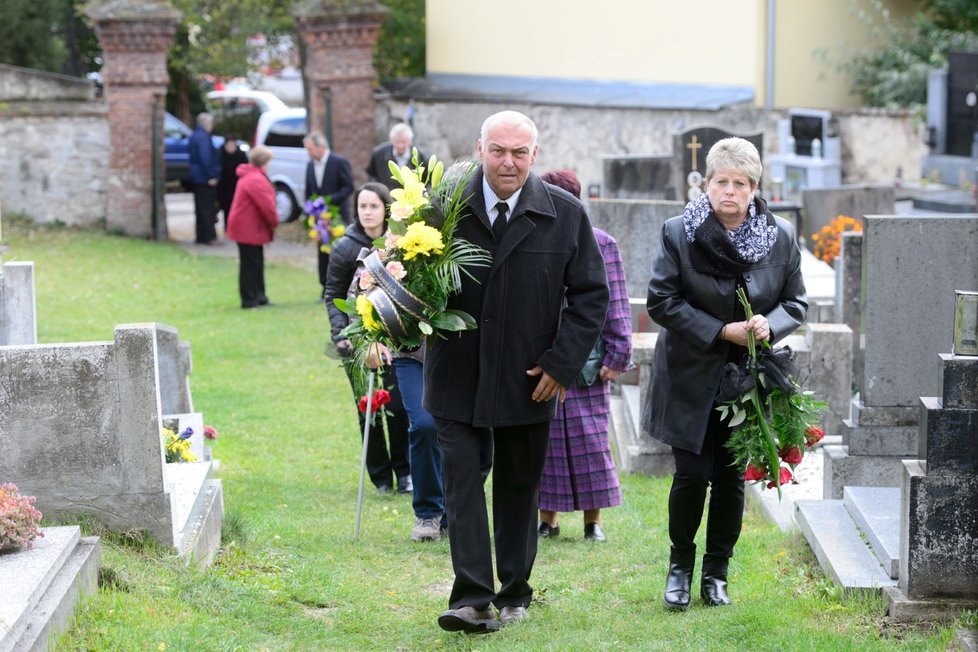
135,36
338,73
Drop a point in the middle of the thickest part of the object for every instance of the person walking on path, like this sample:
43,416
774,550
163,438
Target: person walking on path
327,175
252,224
725,239
231,157
205,169
540,307
371,204
579,474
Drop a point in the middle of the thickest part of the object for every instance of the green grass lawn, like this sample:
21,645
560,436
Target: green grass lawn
290,576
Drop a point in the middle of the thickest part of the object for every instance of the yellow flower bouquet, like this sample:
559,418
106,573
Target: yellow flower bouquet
324,222
407,280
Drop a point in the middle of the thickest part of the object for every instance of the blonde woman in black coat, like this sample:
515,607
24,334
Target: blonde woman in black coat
725,238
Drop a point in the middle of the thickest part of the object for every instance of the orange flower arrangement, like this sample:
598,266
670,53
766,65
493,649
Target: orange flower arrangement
828,240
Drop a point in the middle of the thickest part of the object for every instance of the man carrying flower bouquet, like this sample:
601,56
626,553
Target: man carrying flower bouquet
540,307
327,175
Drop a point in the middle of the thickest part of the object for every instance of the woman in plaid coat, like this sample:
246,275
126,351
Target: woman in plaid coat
579,473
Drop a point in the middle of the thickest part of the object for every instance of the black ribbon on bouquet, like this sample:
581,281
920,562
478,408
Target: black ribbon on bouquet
777,366
390,297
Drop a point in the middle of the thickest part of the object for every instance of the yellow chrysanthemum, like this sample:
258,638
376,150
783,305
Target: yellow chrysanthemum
421,240
338,230
313,234
366,311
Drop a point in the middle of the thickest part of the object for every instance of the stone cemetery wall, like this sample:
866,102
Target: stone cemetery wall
54,147
577,137
822,205
636,225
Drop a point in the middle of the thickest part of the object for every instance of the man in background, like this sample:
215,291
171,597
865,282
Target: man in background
397,150
205,169
327,175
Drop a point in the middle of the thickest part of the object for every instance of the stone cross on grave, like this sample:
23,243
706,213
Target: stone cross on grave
693,145
690,163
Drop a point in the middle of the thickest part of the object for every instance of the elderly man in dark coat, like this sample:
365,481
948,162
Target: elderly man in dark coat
398,151
540,307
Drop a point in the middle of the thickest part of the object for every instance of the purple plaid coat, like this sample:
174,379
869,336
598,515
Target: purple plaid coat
579,472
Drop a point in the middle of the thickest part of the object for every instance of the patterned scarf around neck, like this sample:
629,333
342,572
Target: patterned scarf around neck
720,252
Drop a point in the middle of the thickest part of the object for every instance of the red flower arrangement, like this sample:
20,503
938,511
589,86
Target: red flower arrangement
381,398
773,420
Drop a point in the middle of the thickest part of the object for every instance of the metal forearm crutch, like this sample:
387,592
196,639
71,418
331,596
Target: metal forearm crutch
363,458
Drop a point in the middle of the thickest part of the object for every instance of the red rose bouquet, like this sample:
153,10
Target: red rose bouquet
773,419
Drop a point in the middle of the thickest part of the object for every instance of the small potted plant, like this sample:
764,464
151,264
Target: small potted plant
18,519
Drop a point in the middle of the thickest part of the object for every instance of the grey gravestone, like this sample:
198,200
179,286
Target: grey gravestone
939,498
848,296
690,148
80,429
911,267
636,225
18,324
638,177
175,367
822,205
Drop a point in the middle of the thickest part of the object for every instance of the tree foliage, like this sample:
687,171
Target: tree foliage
894,73
47,35
400,48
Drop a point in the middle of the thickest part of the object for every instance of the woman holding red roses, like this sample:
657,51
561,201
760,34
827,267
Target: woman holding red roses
726,238
371,203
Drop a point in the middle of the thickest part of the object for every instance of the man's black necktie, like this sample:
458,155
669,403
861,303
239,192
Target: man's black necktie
500,224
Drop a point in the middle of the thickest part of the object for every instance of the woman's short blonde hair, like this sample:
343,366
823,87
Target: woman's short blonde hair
735,154
259,155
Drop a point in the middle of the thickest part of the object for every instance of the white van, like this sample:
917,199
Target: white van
282,131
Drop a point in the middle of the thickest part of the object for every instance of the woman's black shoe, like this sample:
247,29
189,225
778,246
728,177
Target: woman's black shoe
547,531
678,582
713,587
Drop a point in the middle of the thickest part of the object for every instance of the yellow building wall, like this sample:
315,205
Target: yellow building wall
670,41
706,42
803,30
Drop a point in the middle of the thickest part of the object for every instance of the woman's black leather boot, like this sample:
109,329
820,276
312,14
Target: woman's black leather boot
713,587
679,580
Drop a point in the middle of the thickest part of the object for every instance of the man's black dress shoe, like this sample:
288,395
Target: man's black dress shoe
593,532
383,490
469,620
547,531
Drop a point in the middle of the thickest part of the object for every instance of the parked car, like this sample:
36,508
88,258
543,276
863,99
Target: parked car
282,131
236,111
176,149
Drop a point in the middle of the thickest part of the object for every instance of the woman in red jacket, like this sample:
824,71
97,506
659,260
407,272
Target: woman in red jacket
252,225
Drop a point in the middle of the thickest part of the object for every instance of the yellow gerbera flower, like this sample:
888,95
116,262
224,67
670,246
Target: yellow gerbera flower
421,240
366,311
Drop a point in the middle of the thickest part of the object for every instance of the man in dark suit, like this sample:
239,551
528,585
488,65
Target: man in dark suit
205,168
328,175
540,307
397,150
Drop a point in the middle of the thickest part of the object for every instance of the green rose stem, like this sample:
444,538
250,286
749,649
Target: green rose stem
774,463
